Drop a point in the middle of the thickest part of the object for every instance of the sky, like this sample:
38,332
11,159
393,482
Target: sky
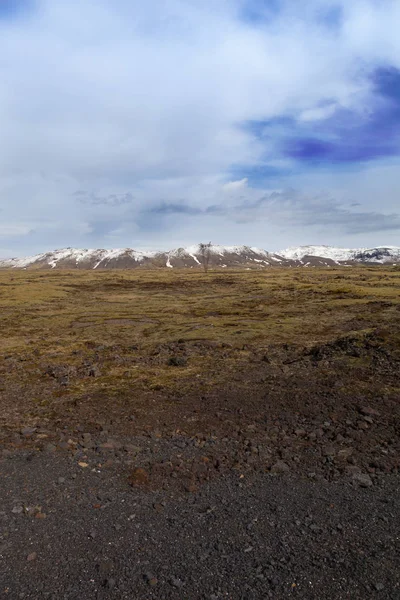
160,124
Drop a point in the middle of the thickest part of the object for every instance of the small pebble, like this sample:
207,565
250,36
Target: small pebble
31,556
110,583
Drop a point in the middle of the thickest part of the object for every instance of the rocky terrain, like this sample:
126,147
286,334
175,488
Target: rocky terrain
163,438
213,255
74,532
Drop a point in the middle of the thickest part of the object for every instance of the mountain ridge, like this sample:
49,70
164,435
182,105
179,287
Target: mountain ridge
378,254
216,255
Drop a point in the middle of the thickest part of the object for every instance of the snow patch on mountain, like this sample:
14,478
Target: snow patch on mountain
336,254
192,257
380,254
78,256
195,258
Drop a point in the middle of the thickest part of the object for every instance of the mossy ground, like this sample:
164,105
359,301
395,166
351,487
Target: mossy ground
128,325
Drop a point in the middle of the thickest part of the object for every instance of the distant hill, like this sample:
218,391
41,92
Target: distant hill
192,257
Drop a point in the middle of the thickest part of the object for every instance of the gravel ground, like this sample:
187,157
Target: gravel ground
80,532
260,463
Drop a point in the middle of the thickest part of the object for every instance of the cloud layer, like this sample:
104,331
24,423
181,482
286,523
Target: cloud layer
129,123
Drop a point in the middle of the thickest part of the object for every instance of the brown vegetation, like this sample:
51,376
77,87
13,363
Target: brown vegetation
205,355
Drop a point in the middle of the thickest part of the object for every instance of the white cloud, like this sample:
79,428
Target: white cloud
14,230
152,98
318,114
235,186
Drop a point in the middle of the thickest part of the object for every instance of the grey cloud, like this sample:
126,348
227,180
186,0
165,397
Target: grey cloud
172,208
290,208
320,210
93,199
352,222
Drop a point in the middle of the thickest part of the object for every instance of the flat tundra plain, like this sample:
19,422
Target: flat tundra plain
177,434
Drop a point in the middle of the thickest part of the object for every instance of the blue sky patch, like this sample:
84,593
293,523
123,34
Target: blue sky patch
332,16
10,9
350,136
260,11
387,82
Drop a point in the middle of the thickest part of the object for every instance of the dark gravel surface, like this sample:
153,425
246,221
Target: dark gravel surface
80,532
272,473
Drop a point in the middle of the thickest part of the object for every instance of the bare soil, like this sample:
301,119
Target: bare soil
220,436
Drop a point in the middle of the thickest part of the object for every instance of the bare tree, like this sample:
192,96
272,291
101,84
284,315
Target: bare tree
205,253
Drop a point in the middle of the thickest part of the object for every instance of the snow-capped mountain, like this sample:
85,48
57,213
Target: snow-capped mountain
380,254
193,257
126,258
335,254
81,259
219,256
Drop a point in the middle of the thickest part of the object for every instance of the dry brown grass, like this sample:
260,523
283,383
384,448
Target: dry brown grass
152,307
131,323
